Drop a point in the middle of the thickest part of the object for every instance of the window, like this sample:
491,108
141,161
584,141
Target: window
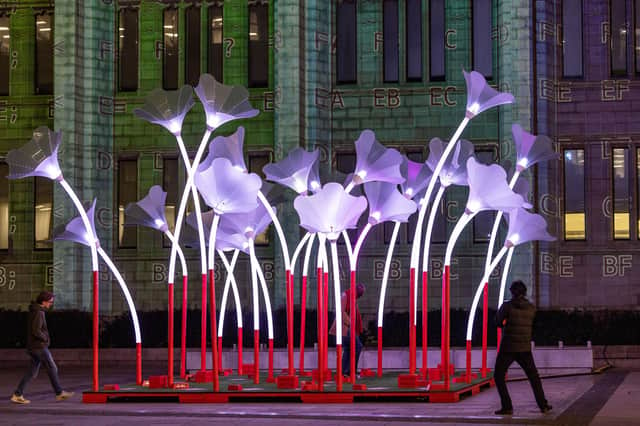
257,160
483,222
574,196
170,184
258,44
621,194
170,56
346,42
618,25
127,193
4,206
192,65
414,40
482,44
637,34
390,40
572,38
128,50
44,53
43,202
214,52
5,55
436,40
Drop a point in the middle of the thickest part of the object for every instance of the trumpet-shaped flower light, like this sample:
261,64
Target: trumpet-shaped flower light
75,230
386,203
149,211
167,108
38,157
223,103
226,241
294,170
416,177
314,181
330,211
375,162
488,188
481,96
251,224
454,171
189,235
525,227
226,189
531,149
522,187
229,147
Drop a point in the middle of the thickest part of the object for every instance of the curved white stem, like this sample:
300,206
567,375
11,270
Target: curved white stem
455,234
254,291
85,220
347,244
125,291
212,240
183,261
229,282
297,251
349,187
183,205
337,294
505,274
322,251
385,274
265,291
353,259
479,290
307,256
276,224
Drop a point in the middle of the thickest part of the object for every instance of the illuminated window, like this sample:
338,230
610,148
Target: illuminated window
5,55
192,64
128,49
4,206
170,184
621,194
258,43
214,53
346,42
390,40
572,38
43,203
257,160
482,43
618,15
44,53
436,40
574,195
483,222
170,57
414,40
127,193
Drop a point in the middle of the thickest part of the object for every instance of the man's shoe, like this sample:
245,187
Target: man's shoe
19,399
63,395
504,412
546,409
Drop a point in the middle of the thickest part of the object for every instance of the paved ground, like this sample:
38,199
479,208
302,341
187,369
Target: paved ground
610,398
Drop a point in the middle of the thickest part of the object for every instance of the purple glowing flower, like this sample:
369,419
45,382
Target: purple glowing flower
226,241
149,211
481,96
229,147
167,108
525,227
314,181
330,211
75,230
223,103
293,171
488,188
522,187
38,157
226,189
531,149
375,162
416,177
189,235
454,171
386,203
250,224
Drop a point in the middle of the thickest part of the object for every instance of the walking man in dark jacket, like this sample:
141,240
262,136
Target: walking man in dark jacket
515,317
38,349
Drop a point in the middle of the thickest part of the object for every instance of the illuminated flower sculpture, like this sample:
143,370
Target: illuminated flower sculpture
374,162
294,170
481,96
229,147
223,103
150,212
416,177
76,231
328,213
167,108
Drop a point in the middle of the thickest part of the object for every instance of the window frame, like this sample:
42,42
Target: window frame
564,192
170,61
129,62
581,38
5,60
214,49
437,44
192,42
628,164
120,159
46,244
43,87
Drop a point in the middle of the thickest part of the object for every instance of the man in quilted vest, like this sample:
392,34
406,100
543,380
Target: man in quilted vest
515,317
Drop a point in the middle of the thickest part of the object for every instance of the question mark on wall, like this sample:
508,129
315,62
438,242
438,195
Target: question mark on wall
230,42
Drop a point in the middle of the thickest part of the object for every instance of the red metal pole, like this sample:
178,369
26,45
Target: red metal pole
445,327
212,318
379,351
183,331
499,338
468,361
425,311
325,322
219,353
170,338
485,325
240,351
256,356
138,364
320,327
270,376
203,325
289,280
303,321
352,325
412,327
96,330
339,366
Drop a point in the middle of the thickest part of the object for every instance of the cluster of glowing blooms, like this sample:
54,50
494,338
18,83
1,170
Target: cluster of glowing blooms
223,103
454,171
416,177
250,224
525,227
374,162
229,147
167,108
386,203
226,241
489,190
294,170
226,189
75,230
531,149
38,157
330,211
149,211
481,96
